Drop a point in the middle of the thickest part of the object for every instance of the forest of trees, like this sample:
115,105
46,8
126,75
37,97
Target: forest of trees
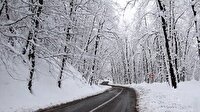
161,45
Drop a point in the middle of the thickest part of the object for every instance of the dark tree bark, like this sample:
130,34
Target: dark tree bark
32,36
196,26
85,64
167,47
11,29
96,49
134,72
1,9
127,62
174,38
31,57
66,49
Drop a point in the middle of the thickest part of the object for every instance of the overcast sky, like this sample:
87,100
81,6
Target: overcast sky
126,15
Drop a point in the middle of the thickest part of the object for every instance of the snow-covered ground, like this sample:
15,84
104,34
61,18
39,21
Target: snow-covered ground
14,95
158,97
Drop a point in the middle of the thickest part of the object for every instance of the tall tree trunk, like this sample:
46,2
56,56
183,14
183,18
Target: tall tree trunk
196,26
127,62
32,37
85,64
96,50
145,66
66,49
32,69
174,38
134,72
167,47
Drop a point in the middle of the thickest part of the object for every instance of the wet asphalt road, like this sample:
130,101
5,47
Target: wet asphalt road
117,99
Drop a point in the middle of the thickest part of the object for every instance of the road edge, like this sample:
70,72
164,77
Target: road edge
136,94
70,102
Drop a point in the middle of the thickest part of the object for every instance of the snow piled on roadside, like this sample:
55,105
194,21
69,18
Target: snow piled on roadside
14,95
159,97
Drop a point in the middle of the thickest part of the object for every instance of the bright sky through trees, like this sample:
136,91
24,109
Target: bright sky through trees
126,13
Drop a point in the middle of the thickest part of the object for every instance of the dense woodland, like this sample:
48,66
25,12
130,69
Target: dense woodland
162,43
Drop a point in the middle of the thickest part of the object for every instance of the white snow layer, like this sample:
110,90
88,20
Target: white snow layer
14,95
159,97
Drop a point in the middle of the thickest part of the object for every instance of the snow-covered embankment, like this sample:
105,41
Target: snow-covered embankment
14,95
159,97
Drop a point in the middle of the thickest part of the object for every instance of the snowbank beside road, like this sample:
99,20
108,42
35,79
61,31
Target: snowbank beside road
14,95
158,97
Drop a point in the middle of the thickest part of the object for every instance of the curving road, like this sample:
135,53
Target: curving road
117,99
